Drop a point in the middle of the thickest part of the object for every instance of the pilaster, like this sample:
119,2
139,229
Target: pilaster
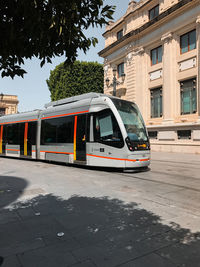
168,77
140,77
198,64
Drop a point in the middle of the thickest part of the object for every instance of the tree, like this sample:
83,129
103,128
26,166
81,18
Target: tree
45,29
79,78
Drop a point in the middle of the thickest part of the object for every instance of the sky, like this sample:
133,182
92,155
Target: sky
32,90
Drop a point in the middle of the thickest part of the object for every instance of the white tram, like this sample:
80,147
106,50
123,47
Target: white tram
91,129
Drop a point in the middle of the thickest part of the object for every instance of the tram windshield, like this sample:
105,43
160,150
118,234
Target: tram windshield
132,120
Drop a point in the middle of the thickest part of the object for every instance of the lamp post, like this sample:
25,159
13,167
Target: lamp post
115,82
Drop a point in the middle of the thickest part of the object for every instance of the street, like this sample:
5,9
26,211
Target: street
55,215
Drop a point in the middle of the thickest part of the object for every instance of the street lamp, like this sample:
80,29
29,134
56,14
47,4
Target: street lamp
115,82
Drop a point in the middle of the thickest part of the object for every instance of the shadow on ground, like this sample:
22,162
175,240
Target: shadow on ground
91,232
10,189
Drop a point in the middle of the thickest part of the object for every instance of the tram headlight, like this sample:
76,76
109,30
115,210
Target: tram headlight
128,142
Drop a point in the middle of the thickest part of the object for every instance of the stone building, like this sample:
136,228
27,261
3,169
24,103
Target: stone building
156,44
8,104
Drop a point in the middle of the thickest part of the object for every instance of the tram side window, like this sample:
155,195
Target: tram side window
5,134
106,129
12,134
58,130
21,133
32,126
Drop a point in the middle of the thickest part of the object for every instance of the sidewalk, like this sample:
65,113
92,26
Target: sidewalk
176,157
59,216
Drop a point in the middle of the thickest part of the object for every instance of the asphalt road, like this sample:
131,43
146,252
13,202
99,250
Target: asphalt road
57,216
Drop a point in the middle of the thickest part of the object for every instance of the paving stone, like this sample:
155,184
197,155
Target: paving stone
154,243
44,225
87,263
11,232
87,252
151,260
19,247
106,256
184,255
115,257
11,261
7,198
26,213
72,221
70,243
51,256
7,216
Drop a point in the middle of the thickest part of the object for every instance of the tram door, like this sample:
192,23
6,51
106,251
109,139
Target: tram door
2,140
21,138
80,138
26,133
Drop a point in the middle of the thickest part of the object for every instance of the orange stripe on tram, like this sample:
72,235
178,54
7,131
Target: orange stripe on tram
1,139
75,128
67,114
10,122
110,158
144,159
56,152
133,160
25,138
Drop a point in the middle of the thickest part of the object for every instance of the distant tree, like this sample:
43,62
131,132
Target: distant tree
46,28
76,79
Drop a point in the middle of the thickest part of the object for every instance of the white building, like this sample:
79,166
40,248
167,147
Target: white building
157,45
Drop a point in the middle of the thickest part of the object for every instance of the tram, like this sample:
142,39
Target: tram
90,129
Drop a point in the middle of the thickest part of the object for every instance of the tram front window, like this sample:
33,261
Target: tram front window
132,120
106,129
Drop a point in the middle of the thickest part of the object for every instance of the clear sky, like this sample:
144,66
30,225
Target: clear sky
32,90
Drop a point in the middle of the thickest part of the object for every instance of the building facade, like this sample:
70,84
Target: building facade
156,44
8,104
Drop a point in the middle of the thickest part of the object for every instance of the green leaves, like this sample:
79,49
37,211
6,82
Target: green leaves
78,78
46,28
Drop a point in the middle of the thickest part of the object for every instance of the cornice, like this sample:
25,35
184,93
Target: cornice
166,37
8,102
147,25
138,6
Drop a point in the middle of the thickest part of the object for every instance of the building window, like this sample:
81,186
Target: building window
154,12
119,34
184,134
188,41
2,111
188,96
153,134
120,69
156,103
156,55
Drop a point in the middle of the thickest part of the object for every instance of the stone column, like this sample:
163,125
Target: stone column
198,64
140,78
169,72
130,75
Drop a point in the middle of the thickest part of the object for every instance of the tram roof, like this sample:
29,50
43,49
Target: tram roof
73,99
28,115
